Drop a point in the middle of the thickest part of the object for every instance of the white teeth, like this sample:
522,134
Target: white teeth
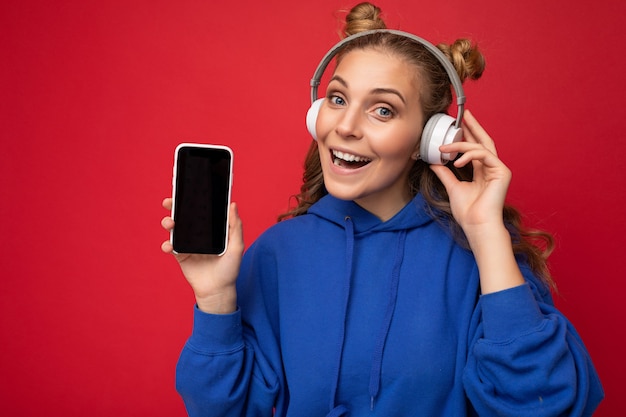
349,157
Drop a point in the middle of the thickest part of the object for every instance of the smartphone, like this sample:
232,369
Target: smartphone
201,187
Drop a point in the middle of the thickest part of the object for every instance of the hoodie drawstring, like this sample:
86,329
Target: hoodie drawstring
379,347
340,410
377,356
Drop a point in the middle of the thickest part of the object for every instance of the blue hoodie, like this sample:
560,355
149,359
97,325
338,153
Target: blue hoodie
341,314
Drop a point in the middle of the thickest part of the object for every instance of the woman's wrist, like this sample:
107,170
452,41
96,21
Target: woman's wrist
223,301
493,251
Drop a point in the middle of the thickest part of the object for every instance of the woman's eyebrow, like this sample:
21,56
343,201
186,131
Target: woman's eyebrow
374,91
340,80
389,91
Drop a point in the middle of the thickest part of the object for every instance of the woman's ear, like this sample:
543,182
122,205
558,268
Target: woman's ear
416,152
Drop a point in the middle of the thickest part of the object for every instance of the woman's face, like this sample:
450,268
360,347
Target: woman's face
368,128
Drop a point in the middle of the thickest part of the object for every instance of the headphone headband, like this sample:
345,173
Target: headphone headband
447,65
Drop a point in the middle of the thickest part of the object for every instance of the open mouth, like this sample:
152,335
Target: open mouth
347,160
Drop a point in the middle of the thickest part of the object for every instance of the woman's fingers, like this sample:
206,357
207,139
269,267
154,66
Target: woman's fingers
235,229
167,223
473,132
482,155
445,175
167,247
468,150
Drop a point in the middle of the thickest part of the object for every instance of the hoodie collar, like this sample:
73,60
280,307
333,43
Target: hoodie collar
413,215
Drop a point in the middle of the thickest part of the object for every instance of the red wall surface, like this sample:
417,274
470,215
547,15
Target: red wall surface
94,96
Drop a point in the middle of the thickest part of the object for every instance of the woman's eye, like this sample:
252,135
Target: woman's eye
337,100
384,112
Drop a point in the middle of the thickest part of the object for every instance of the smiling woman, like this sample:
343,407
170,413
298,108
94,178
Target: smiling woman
410,285
372,111
96,95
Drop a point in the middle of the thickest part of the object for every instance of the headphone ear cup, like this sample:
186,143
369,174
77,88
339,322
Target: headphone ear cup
439,130
311,117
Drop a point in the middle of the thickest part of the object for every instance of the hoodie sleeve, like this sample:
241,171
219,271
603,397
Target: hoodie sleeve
526,359
223,369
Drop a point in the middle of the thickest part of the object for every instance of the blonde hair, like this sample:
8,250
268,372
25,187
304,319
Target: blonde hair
436,97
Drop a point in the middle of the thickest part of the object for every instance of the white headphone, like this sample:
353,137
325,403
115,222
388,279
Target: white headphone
440,129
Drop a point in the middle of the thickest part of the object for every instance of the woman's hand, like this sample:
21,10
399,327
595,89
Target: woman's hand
211,277
480,202
478,205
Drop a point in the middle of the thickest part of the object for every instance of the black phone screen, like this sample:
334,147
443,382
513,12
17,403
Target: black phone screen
201,199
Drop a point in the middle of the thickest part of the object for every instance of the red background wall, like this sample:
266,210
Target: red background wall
94,96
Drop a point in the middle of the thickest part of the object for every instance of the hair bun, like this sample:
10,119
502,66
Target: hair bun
364,16
466,58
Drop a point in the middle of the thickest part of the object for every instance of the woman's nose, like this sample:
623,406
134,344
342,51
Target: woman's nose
349,125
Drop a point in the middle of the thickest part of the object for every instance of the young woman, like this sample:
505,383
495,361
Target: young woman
395,288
